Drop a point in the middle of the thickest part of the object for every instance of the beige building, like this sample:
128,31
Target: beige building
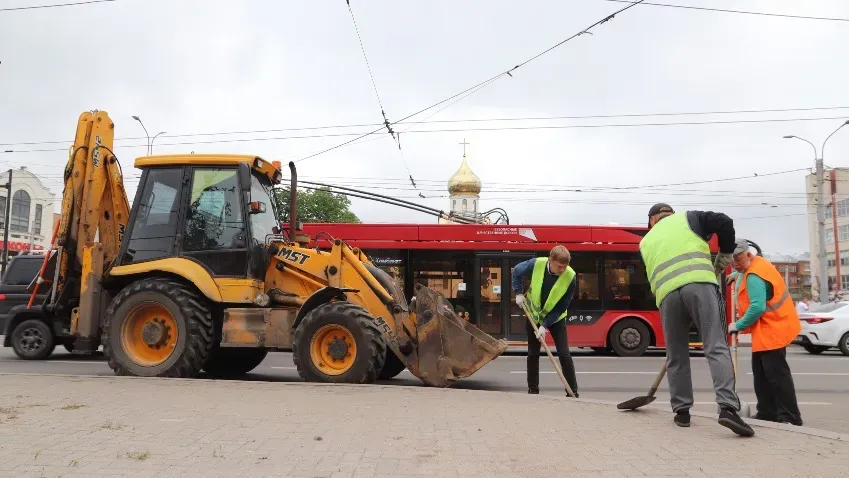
464,190
31,216
836,198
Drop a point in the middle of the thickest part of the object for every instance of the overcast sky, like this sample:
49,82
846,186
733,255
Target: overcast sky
213,66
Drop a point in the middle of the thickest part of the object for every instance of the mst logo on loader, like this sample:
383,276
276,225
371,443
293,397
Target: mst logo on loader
293,256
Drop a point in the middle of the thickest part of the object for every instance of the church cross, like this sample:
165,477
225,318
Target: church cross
464,143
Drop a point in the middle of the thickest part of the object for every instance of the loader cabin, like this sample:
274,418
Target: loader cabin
215,210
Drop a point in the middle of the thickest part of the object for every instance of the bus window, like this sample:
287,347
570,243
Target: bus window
449,274
391,262
585,265
625,282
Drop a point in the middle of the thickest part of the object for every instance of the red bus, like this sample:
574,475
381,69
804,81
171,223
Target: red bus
470,264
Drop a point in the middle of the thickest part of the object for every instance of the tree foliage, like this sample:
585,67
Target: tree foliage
320,205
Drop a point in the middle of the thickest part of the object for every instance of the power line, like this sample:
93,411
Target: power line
55,5
465,120
483,83
723,10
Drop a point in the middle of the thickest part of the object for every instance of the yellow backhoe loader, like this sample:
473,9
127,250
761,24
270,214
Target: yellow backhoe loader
201,276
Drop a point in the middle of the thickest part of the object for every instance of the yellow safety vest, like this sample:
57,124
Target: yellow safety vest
675,256
558,290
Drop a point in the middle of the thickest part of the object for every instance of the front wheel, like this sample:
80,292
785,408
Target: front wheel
157,328
629,338
815,349
32,339
338,342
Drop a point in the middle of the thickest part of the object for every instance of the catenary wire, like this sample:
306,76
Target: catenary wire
55,5
742,12
485,82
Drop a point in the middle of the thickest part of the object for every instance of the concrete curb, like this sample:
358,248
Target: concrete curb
607,403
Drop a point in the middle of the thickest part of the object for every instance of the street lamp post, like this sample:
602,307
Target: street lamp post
145,132
818,160
154,139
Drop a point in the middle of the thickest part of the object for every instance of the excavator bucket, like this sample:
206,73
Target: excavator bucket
447,348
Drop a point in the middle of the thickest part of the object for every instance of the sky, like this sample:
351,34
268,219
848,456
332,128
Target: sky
203,71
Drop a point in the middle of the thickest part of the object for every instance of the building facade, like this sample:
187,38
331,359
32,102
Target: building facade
464,190
836,198
796,271
31,218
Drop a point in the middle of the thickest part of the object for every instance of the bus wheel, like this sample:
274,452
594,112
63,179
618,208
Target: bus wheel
629,338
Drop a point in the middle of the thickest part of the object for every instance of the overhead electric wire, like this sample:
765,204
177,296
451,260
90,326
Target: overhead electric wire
742,12
55,5
448,121
485,82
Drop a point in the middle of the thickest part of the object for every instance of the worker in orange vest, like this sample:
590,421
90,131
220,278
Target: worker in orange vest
771,318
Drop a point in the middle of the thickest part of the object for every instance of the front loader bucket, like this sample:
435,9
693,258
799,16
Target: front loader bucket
447,348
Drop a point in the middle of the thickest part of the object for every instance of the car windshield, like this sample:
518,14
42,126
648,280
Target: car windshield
831,307
262,223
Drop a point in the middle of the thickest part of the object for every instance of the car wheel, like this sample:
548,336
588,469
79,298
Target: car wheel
815,349
844,344
33,340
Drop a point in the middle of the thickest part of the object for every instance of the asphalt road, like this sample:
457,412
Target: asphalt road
822,382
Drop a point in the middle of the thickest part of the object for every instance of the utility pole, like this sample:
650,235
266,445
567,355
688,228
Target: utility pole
6,228
823,264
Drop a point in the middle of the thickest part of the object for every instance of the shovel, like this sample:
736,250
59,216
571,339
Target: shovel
550,356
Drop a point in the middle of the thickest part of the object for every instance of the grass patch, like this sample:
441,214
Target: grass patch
138,456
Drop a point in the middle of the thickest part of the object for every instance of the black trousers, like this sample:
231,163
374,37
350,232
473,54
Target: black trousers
774,387
561,342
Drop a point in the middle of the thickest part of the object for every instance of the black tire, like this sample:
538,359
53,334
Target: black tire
68,347
600,350
629,338
815,349
392,367
371,349
190,313
844,344
32,339
226,362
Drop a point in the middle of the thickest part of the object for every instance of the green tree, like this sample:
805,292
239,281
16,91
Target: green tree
319,205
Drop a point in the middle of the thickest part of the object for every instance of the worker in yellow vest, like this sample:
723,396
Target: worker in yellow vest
684,281
768,314
551,290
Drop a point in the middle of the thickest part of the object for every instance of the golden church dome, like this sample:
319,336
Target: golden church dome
464,181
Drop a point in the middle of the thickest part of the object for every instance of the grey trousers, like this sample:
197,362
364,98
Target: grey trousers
700,303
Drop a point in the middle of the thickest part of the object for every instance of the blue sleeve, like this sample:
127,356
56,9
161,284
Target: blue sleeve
563,304
756,288
521,270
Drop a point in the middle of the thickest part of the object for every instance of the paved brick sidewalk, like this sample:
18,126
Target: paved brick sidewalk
108,426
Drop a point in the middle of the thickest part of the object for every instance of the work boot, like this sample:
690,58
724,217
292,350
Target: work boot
682,418
533,391
728,418
766,418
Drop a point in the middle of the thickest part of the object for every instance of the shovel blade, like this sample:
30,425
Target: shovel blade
636,402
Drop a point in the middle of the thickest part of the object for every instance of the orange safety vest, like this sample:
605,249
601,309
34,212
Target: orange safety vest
779,325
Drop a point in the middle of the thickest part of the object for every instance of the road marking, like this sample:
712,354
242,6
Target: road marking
593,373
284,368
54,361
839,374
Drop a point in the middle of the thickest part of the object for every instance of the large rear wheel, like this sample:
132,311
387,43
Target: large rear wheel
157,328
233,362
338,342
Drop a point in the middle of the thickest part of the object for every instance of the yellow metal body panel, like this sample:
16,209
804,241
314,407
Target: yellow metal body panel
221,289
255,162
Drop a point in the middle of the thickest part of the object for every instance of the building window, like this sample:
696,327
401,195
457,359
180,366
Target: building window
843,207
828,213
20,211
465,205
844,282
843,232
829,236
36,223
3,212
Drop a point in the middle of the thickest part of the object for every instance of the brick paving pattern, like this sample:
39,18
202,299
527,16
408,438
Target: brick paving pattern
111,426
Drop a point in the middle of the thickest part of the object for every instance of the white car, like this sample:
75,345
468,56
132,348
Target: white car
824,327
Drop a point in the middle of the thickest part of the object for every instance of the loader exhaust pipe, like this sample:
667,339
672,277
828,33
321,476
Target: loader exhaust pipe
293,199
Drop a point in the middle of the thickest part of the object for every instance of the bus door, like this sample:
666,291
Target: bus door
495,302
